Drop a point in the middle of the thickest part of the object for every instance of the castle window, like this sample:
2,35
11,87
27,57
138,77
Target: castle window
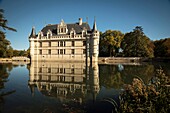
49,44
72,71
84,71
72,43
84,51
72,34
72,78
40,44
61,43
58,51
84,34
40,52
64,70
61,70
49,70
62,30
48,36
84,43
64,51
39,36
64,43
40,70
49,51
72,51
61,51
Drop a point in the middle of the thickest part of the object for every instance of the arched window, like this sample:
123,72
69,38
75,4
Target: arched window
62,30
49,35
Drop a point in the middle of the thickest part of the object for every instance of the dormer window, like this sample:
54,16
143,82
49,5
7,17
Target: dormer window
84,32
40,34
72,33
62,28
49,34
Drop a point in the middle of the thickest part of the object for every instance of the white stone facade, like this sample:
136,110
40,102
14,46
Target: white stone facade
65,42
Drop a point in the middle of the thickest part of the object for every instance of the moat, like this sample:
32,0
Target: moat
48,87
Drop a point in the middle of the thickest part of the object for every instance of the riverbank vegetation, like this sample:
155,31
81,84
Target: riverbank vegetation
132,44
153,97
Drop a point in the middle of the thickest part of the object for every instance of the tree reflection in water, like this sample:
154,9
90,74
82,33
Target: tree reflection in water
4,73
111,76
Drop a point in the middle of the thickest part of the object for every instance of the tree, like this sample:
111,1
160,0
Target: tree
110,42
4,43
162,48
137,44
3,22
5,49
9,52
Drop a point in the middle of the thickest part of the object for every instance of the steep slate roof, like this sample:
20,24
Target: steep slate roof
78,28
33,33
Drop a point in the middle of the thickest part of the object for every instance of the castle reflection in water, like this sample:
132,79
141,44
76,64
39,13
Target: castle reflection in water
65,81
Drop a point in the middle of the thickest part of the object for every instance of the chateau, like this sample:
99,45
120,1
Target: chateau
65,42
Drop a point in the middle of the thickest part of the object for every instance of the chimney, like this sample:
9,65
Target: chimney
80,21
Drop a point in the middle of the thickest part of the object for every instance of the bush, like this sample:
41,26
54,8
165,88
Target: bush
152,98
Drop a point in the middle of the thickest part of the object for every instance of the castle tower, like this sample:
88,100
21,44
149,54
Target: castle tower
32,44
94,43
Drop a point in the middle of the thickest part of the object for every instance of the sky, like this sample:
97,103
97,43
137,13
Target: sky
123,15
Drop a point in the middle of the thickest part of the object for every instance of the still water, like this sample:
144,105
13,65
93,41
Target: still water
47,87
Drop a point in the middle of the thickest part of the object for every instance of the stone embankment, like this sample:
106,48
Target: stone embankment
15,60
120,60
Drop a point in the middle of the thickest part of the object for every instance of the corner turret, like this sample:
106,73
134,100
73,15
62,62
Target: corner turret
33,33
94,43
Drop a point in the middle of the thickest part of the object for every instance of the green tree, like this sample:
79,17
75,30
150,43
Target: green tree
16,53
9,52
137,44
28,53
5,49
110,42
162,48
4,44
3,22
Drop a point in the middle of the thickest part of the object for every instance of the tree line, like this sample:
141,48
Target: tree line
132,44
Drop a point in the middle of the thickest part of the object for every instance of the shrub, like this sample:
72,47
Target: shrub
152,98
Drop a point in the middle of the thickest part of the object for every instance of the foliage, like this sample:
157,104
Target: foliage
151,98
3,22
162,48
20,53
137,44
113,79
110,42
5,48
4,73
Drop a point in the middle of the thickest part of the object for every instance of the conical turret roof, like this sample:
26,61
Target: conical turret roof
94,26
33,33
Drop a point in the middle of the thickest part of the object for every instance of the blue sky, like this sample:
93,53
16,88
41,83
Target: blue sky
123,15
